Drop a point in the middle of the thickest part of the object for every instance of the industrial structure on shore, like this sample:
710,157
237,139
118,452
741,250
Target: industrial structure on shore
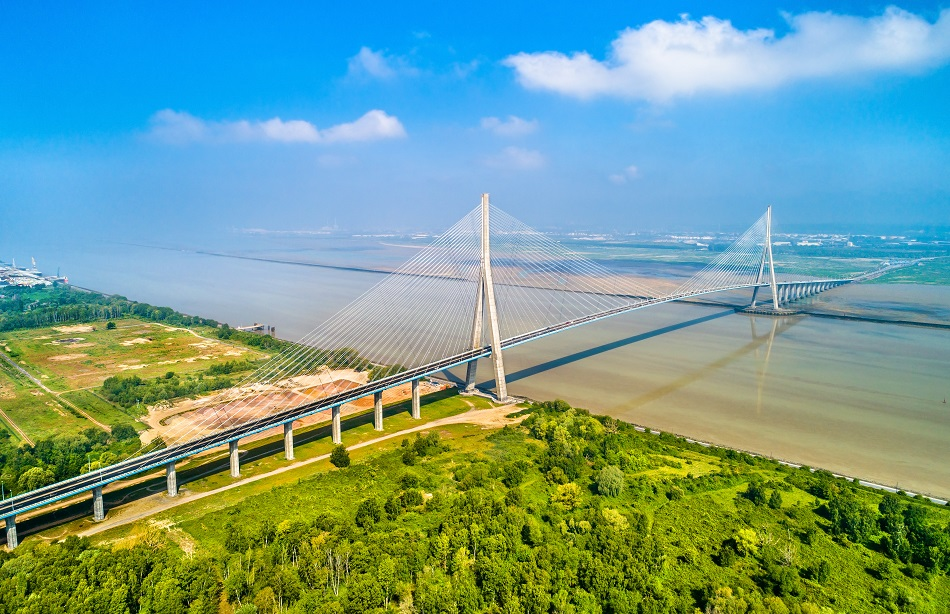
11,275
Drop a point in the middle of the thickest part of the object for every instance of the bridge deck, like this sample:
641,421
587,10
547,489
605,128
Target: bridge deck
153,460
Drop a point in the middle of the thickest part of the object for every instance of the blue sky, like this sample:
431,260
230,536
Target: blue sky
176,119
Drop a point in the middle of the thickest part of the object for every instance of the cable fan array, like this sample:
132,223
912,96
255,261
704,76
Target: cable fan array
422,312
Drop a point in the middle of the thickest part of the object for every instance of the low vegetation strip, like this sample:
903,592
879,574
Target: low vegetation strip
132,390
567,512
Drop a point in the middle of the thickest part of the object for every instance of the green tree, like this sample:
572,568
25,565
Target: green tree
386,576
850,517
755,492
567,495
610,481
747,542
775,500
368,513
35,477
340,457
122,431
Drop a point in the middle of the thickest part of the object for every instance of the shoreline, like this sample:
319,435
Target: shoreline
869,483
708,444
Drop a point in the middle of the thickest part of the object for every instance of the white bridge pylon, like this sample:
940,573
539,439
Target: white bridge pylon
485,310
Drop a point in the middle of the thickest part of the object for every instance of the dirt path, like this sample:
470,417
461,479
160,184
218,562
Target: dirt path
153,504
53,394
16,427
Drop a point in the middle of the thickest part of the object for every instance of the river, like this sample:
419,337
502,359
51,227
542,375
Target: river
861,398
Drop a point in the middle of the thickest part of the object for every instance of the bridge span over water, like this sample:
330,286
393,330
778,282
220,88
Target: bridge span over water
488,284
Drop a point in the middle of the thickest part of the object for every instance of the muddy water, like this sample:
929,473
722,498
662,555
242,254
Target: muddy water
859,398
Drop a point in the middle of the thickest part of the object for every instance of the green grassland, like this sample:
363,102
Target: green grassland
37,413
102,410
564,513
82,356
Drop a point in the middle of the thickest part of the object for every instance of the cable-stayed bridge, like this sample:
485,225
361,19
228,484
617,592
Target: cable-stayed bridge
489,283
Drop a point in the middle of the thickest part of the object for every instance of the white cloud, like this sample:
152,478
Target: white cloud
376,64
663,60
516,158
513,126
180,127
631,172
372,126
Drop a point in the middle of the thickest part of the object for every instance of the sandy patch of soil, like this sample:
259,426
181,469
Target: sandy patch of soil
78,328
204,345
136,341
130,367
6,392
191,418
67,357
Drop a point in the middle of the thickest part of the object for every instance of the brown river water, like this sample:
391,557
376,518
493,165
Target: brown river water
855,397
858,398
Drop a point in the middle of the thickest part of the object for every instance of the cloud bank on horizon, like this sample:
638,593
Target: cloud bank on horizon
664,60
180,127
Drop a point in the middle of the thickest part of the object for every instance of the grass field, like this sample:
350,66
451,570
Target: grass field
102,410
32,409
77,357
74,360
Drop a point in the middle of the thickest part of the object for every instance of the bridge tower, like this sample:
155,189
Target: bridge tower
767,256
485,310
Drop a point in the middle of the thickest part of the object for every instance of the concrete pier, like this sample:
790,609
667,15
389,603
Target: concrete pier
12,541
171,479
98,506
289,440
378,411
235,459
416,411
335,429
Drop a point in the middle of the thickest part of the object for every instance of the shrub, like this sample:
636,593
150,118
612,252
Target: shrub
340,457
412,498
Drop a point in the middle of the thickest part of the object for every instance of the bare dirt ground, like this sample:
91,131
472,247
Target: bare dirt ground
191,418
78,328
496,417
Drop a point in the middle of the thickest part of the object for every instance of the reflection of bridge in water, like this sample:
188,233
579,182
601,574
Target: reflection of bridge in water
487,284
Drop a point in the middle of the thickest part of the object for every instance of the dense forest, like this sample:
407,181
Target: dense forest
567,512
24,467
47,306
